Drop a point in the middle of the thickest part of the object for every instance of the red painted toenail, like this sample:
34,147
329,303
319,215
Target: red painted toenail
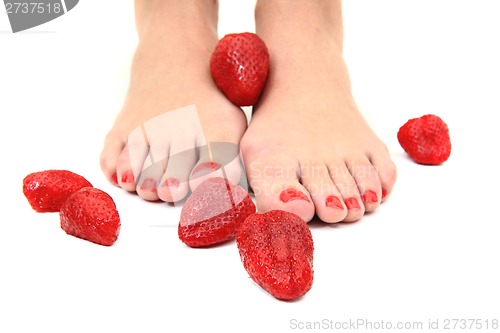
370,197
148,184
172,182
128,177
205,168
352,203
333,202
114,179
292,194
384,193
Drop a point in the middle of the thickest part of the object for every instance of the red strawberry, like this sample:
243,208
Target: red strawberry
47,190
91,214
276,249
426,139
214,212
239,67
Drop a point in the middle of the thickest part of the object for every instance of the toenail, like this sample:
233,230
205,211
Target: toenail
333,202
352,203
292,194
384,193
370,197
148,184
205,168
172,182
128,177
114,179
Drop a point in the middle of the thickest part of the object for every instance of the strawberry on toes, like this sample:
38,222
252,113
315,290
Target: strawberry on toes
213,213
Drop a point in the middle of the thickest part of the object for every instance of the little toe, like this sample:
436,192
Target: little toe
131,160
387,172
125,175
113,147
348,188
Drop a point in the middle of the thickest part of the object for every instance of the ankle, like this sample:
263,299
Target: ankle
314,16
191,16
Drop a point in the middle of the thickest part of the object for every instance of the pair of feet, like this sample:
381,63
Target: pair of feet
307,149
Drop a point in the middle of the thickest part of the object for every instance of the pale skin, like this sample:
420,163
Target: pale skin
322,158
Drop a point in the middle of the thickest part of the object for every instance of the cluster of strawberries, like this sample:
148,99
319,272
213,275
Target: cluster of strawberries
85,212
276,248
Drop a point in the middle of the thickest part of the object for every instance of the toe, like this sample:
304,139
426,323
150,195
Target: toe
274,181
325,195
113,146
172,188
149,179
153,168
348,188
174,184
218,159
387,172
125,176
131,160
368,183
137,152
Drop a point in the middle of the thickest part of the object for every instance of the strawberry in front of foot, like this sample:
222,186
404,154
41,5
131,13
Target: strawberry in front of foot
46,191
91,214
85,212
276,249
213,213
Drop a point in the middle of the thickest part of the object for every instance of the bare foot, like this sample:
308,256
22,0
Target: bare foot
171,71
308,148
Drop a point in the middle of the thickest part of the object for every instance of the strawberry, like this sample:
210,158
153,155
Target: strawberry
47,190
426,139
276,249
239,67
91,214
214,212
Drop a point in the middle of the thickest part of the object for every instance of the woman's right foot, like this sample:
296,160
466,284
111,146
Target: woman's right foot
154,145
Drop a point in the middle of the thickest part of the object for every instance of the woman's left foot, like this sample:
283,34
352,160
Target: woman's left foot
308,148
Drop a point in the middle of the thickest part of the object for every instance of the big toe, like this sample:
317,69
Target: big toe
275,183
387,172
217,159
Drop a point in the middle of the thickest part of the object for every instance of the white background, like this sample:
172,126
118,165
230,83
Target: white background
430,252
